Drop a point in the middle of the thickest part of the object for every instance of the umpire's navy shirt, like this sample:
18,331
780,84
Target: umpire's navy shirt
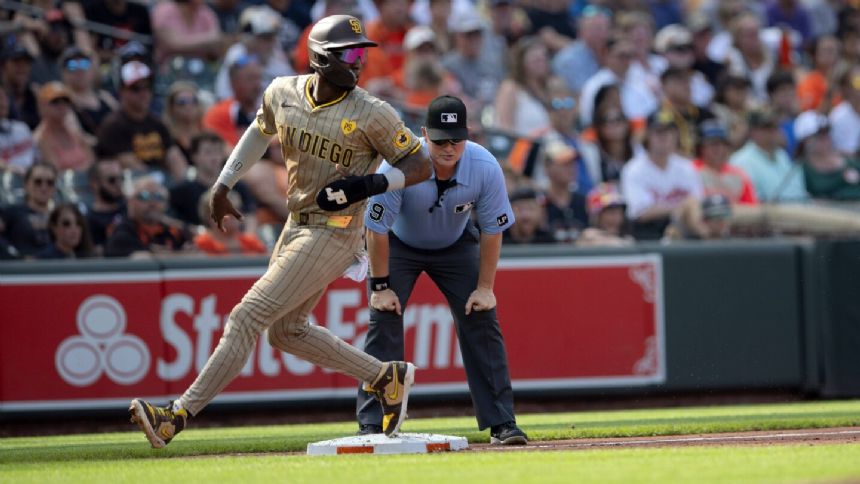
480,188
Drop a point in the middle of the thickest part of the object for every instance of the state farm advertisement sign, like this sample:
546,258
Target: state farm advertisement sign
96,340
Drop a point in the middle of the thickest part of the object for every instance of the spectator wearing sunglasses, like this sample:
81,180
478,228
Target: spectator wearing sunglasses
70,237
183,115
108,201
61,142
135,136
144,231
26,224
90,103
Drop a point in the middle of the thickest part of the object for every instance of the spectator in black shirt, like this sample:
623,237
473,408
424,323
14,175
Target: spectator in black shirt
26,224
17,65
108,205
70,237
565,208
144,232
529,217
208,157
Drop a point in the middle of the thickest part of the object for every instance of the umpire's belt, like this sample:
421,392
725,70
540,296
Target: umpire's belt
337,221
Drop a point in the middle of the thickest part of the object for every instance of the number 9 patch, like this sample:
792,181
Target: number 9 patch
376,211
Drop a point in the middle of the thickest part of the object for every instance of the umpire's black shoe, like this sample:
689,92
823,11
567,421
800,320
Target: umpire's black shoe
508,434
369,429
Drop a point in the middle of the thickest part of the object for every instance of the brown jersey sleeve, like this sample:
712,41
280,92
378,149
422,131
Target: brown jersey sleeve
389,136
266,114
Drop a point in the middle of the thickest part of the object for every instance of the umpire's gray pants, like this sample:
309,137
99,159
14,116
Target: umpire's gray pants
454,270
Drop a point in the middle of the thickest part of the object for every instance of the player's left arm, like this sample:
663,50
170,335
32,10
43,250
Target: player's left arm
399,146
482,298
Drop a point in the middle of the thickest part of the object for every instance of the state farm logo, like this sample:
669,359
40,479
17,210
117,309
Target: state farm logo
102,346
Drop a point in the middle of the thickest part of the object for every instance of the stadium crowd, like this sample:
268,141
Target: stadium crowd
615,121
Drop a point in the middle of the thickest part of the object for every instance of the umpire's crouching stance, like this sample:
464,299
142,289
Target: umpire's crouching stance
435,235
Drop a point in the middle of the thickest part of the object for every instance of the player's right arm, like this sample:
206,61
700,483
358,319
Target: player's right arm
250,148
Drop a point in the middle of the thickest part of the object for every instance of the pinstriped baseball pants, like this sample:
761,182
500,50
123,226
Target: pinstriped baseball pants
304,261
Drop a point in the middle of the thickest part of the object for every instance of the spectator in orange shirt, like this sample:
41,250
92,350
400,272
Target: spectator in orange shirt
423,77
718,176
233,240
231,117
815,86
388,31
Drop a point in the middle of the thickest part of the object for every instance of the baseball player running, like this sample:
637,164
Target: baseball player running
427,228
326,126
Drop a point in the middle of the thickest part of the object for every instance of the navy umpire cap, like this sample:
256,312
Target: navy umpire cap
446,119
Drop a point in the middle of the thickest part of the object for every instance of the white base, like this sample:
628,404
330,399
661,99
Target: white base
380,444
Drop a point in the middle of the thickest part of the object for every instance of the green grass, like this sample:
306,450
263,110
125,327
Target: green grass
126,456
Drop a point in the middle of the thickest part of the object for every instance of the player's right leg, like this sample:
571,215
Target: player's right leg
269,298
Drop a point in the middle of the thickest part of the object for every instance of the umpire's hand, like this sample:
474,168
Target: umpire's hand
481,299
220,206
385,300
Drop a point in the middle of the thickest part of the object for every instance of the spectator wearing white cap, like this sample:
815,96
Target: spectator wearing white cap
829,174
675,43
135,136
423,77
479,76
258,27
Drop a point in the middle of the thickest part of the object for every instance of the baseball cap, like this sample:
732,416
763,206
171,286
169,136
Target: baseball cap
16,51
698,22
603,196
716,206
418,36
53,90
73,52
713,129
524,193
446,119
661,119
670,36
762,118
810,123
133,72
466,23
259,21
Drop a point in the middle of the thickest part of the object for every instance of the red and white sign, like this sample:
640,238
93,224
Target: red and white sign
97,340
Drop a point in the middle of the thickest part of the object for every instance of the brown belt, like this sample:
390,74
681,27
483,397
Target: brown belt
337,221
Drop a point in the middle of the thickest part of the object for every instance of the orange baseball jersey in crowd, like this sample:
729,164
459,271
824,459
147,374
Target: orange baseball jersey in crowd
355,131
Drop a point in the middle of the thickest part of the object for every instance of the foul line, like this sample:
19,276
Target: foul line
679,440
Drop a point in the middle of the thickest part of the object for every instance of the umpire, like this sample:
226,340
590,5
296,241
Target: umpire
427,228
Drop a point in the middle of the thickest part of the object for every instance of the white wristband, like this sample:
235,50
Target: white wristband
396,179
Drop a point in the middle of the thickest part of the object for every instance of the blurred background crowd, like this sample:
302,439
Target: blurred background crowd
614,121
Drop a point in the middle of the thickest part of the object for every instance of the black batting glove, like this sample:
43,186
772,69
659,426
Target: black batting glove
342,193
